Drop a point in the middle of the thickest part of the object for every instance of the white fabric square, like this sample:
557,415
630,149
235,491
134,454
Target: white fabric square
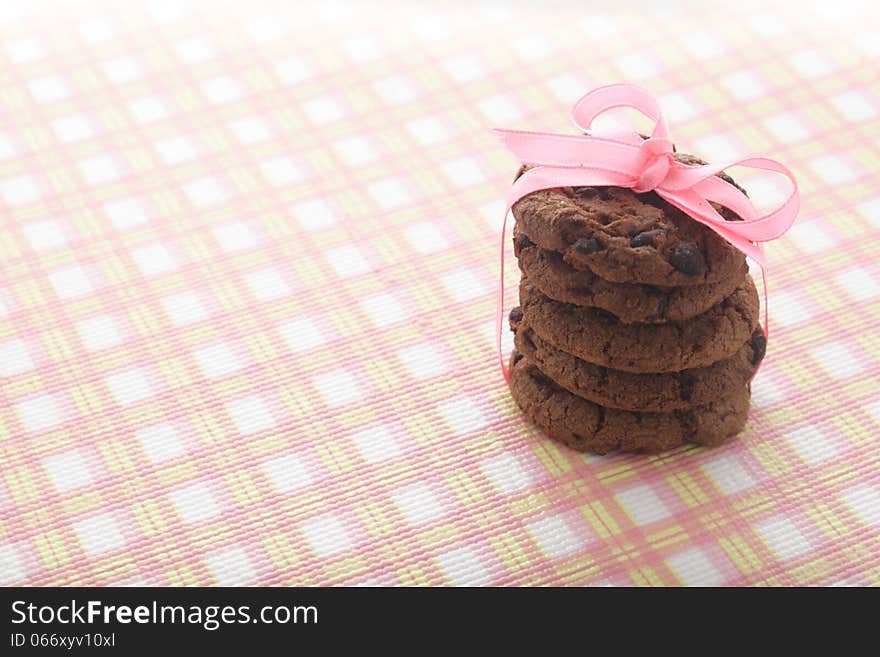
280,171
205,192
71,282
428,130
161,442
100,534
426,237
783,537
232,567
126,213
121,70
12,569
100,169
694,568
423,361
811,237
20,190
809,64
463,567
301,334
864,501
235,236
636,66
252,130
643,504
554,536
859,283
99,332
184,308
813,445
40,412
195,503
327,535
728,474
48,89
744,85
347,260
355,151
854,106
250,414
506,473
390,193
462,414
314,215
130,386
384,309
73,128
68,470
464,285
154,259
292,70
323,110
267,284
176,150
499,108
787,127
287,473
148,109
838,360
377,444
395,89
464,68
222,89
338,387
194,50
463,172
833,169
15,358
418,504
45,235
217,360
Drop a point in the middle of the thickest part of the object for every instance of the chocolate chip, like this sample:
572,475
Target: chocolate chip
517,357
662,304
759,347
521,242
515,317
686,383
645,238
587,245
686,258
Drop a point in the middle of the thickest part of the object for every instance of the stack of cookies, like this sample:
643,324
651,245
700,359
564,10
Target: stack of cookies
637,327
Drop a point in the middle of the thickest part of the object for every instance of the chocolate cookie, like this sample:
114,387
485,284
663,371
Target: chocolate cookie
641,392
626,237
598,337
588,427
628,302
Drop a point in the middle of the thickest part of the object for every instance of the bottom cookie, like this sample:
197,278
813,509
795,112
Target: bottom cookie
588,427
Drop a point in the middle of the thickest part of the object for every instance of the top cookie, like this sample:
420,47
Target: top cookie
626,237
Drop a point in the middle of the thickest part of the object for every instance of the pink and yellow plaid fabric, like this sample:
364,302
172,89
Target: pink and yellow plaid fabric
249,260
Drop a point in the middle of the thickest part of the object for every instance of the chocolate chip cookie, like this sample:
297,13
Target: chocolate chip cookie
629,302
596,336
626,237
588,427
640,392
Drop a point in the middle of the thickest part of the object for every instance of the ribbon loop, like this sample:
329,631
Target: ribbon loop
656,157
626,160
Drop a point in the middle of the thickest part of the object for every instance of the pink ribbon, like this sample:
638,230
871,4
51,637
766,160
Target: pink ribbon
643,165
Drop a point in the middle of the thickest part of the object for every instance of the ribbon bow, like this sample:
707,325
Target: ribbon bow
643,165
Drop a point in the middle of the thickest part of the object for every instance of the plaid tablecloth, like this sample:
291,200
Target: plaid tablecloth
249,261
